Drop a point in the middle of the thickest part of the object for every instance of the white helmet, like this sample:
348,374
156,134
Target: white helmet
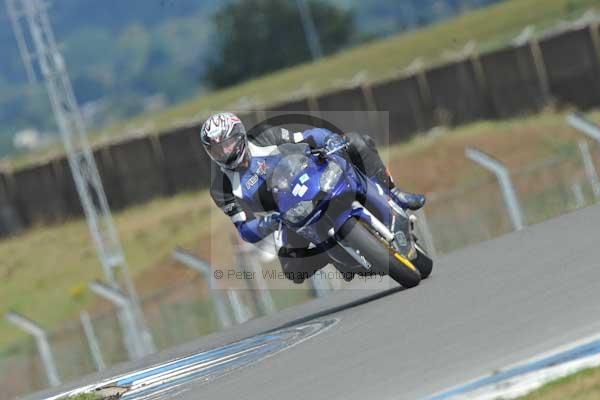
223,136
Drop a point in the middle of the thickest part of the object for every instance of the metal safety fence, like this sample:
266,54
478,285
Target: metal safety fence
479,212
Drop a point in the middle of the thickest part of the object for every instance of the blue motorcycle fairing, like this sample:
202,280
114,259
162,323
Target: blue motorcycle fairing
351,185
311,179
371,196
305,187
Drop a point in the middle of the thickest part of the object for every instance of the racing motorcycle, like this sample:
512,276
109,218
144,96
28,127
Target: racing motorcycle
349,216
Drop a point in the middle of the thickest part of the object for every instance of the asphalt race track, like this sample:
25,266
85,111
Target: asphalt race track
484,308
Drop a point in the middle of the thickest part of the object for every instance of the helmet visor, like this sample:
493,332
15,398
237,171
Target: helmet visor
228,152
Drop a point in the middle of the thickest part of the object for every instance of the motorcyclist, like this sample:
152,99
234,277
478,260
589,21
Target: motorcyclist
225,140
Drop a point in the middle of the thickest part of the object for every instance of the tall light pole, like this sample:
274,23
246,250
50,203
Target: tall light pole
32,30
310,30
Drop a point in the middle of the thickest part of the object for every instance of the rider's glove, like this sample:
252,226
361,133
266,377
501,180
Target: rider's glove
334,141
269,223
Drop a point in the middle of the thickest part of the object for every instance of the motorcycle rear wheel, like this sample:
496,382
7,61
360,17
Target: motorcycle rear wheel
379,254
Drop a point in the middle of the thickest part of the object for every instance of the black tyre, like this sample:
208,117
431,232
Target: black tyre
423,263
379,254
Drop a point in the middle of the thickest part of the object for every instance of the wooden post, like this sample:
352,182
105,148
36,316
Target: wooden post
417,71
9,211
540,67
313,105
371,108
483,84
59,177
424,89
168,188
595,35
108,164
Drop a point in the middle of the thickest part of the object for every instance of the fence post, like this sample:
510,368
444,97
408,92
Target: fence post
578,194
216,293
319,284
133,338
590,169
92,340
425,231
527,37
9,219
371,108
240,312
41,339
594,26
540,67
503,176
482,82
259,289
417,69
313,106
168,187
580,123
590,129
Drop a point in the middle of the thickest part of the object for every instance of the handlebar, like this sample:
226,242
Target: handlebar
324,153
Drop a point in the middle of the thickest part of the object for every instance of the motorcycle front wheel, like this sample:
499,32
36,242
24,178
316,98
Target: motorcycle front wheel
382,257
423,262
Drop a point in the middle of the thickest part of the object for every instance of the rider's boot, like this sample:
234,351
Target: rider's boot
406,200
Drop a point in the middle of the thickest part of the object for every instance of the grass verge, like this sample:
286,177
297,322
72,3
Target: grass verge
84,396
584,385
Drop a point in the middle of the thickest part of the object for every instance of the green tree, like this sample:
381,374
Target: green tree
260,36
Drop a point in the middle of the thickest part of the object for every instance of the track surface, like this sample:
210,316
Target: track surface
485,307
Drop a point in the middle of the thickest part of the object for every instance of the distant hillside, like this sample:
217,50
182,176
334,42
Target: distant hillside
117,51
126,57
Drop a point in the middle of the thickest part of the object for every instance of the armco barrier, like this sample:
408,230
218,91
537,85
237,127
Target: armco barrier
564,67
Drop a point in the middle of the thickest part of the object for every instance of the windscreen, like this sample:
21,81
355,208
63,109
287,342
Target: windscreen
294,161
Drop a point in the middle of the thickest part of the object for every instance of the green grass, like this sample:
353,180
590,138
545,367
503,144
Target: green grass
584,385
84,396
45,271
491,27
